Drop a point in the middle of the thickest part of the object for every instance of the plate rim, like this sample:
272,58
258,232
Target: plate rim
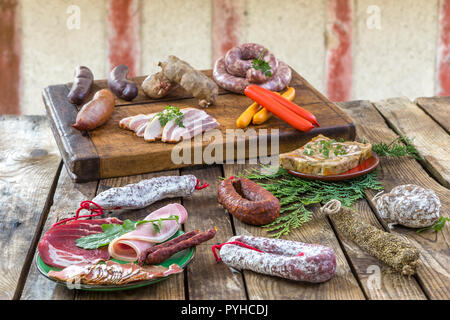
341,176
132,285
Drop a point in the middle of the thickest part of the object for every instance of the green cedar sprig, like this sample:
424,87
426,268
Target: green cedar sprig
399,147
171,113
297,194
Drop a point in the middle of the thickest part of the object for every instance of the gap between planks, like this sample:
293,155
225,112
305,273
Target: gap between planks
29,259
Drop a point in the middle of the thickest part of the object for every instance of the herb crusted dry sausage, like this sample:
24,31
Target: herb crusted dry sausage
248,202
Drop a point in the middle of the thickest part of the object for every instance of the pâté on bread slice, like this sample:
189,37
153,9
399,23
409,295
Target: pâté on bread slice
325,156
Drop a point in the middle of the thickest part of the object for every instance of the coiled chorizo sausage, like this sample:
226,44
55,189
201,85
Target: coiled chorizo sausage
248,202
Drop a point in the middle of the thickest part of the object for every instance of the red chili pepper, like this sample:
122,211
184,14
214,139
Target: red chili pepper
288,104
278,109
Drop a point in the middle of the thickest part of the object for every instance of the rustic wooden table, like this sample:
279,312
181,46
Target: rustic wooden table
35,191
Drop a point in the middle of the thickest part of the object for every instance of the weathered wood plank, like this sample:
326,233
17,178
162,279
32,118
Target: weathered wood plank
169,289
438,108
29,162
206,278
66,200
434,271
407,119
342,286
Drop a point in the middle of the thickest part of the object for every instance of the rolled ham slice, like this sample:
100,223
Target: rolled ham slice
129,246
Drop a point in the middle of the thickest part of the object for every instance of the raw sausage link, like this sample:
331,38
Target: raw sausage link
226,80
167,244
248,202
277,82
166,252
280,79
283,258
239,62
146,192
81,85
96,112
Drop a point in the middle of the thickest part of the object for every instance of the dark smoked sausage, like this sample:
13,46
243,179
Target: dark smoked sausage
96,112
164,251
119,84
81,85
248,202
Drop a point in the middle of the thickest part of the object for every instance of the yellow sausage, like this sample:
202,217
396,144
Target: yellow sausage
246,117
263,115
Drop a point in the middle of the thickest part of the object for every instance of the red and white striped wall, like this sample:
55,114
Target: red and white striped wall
124,38
443,50
326,41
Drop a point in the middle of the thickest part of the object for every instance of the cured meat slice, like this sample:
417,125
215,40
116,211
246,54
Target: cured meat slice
129,246
153,131
138,120
111,273
58,248
125,122
195,122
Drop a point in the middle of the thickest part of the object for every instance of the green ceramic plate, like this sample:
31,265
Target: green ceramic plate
181,258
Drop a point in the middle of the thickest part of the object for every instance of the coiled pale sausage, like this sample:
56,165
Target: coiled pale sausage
248,202
96,112
277,82
239,62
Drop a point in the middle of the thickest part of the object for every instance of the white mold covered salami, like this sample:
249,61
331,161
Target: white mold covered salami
292,260
144,193
409,205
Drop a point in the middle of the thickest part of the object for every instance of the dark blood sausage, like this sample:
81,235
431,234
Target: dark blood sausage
292,260
96,112
81,85
119,84
239,62
248,202
166,244
164,252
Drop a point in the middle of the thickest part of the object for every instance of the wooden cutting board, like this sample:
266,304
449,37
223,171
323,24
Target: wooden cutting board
110,151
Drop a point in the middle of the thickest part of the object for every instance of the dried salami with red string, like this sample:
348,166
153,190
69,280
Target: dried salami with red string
291,260
146,192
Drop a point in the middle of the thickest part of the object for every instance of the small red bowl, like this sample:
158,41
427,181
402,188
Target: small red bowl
362,169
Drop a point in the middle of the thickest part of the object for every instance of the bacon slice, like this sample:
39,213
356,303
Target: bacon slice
129,246
111,273
58,247
153,131
195,122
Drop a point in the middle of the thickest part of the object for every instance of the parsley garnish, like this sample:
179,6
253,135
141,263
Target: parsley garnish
113,230
437,226
171,113
259,64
